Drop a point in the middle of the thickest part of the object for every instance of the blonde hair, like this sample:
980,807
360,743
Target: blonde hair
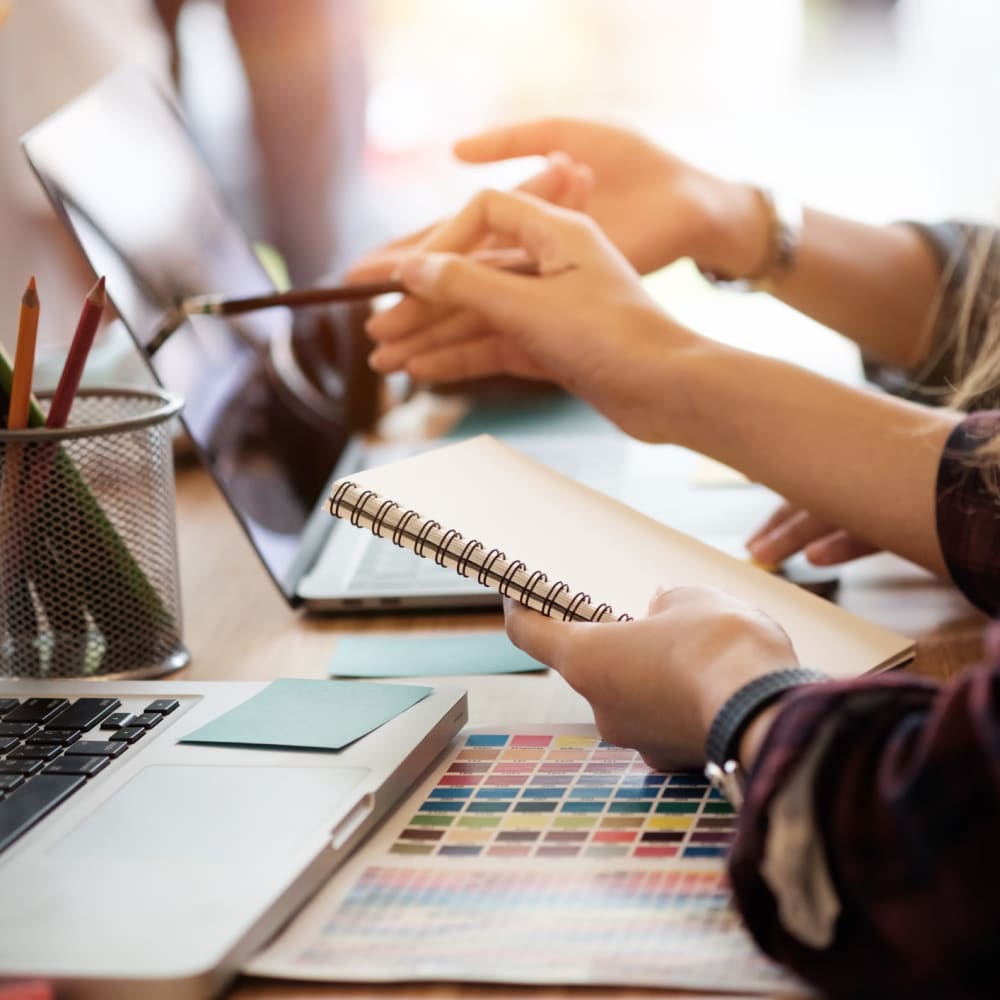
968,311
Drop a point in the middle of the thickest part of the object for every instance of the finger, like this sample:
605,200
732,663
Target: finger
451,280
381,262
472,358
538,636
782,514
670,598
525,221
579,189
791,536
838,547
550,183
454,328
536,138
404,319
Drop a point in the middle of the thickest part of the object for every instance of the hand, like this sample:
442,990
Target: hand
561,182
791,529
656,684
653,206
585,323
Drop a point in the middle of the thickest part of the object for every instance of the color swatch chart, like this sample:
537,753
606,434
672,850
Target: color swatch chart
546,856
547,795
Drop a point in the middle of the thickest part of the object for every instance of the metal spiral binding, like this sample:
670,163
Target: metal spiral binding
407,529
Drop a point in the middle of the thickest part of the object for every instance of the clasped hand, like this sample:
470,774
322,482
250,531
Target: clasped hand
656,683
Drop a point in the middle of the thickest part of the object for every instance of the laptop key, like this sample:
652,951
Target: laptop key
119,720
84,713
127,735
97,748
24,807
8,782
53,739
147,720
9,766
34,753
6,742
163,706
37,710
7,705
87,766
17,728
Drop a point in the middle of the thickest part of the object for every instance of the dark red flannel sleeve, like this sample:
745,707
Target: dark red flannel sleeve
872,867
868,851
968,514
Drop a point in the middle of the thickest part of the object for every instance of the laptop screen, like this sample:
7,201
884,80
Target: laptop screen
121,169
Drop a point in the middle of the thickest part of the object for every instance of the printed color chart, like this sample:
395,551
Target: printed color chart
546,857
546,795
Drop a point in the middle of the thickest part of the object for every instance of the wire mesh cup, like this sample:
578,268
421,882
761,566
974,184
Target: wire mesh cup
88,548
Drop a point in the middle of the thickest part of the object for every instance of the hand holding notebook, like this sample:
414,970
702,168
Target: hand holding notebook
489,512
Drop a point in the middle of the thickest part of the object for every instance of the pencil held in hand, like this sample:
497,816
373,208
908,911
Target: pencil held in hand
219,305
83,340
24,359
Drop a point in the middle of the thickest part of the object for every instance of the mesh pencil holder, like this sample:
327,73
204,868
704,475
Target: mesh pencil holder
88,551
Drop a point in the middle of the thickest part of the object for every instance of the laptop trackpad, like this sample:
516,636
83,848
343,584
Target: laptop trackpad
213,815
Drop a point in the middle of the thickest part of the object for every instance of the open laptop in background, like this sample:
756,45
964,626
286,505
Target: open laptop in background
261,408
132,865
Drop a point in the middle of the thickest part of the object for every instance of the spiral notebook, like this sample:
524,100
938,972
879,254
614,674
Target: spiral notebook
491,513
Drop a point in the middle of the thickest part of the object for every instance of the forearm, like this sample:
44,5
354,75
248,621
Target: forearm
877,285
859,459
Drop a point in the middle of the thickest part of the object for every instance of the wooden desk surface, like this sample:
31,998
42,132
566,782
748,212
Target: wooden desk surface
238,627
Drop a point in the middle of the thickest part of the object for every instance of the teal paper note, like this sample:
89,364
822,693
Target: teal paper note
429,656
309,715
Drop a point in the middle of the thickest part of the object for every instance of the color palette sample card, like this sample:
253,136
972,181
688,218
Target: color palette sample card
542,855
546,795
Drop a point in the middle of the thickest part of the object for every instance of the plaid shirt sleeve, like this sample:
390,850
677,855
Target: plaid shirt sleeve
867,855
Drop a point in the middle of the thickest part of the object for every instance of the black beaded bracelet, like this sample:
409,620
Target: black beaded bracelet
742,707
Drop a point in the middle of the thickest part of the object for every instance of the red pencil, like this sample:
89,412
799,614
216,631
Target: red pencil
83,339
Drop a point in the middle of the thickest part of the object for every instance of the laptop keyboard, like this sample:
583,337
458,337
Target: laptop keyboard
389,568
51,747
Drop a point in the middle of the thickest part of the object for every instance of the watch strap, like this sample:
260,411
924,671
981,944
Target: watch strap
784,229
743,706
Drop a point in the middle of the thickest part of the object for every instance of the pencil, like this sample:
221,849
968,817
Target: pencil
24,359
219,305
83,339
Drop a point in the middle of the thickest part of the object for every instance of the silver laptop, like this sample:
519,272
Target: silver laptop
136,866
272,411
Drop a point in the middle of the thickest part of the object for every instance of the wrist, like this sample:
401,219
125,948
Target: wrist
735,239
654,402
756,731
740,724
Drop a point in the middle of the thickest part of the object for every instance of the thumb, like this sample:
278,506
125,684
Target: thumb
534,633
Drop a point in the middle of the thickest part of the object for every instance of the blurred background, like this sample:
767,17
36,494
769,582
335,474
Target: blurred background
878,109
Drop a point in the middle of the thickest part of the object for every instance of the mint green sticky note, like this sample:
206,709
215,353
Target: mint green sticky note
429,655
309,715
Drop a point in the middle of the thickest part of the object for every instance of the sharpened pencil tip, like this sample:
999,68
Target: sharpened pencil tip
97,295
30,297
